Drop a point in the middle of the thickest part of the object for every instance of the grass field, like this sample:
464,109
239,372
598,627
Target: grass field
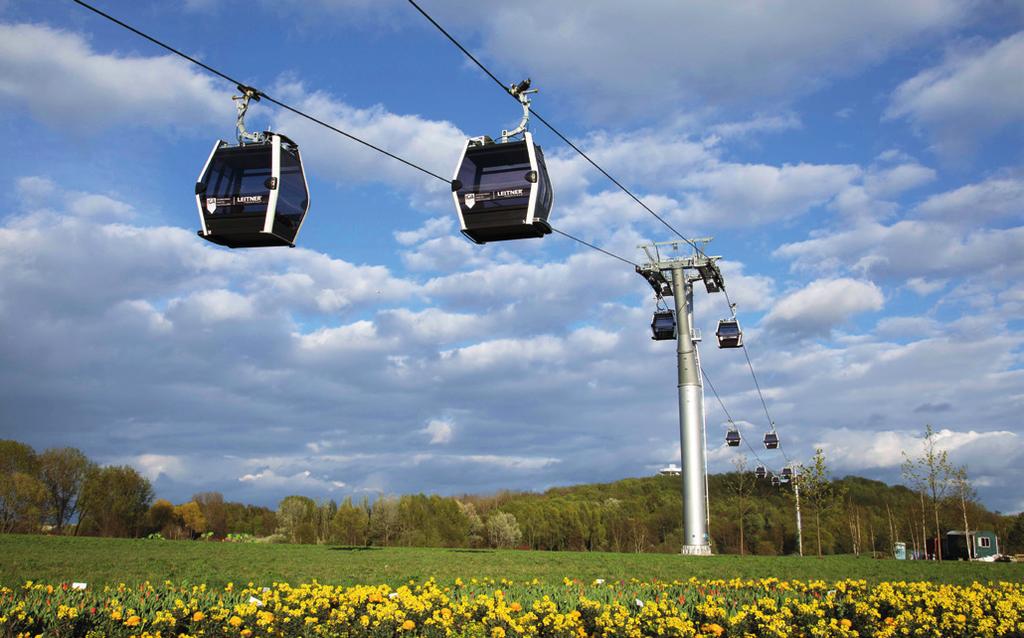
109,561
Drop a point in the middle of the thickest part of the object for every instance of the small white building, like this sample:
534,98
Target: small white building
671,470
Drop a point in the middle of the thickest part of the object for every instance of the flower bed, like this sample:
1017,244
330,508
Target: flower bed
502,609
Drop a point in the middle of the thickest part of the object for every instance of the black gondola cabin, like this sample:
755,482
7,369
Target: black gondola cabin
771,440
663,325
729,334
761,472
502,191
253,194
732,437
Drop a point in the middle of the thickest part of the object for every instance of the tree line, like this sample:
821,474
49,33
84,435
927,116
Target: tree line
60,491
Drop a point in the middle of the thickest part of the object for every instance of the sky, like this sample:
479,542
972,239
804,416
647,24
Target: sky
859,164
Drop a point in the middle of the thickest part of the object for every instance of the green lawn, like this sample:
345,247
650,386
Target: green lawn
101,560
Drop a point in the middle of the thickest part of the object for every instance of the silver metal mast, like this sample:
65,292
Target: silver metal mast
691,421
684,271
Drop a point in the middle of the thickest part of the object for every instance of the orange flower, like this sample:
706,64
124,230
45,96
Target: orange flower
234,621
408,625
198,616
515,607
133,621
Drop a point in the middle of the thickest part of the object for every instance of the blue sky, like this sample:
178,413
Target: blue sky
858,163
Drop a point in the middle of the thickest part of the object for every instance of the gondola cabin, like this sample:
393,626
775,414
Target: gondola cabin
254,194
761,472
787,473
775,481
729,334
502,191
732,437
663,325
771,440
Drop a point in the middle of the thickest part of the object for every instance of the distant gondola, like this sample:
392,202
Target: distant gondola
663,325
761,472
771,440
729,334
732,437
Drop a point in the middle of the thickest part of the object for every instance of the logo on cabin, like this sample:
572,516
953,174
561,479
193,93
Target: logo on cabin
513,192
470,200
211,204
249,199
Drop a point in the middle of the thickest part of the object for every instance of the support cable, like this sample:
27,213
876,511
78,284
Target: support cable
314,119
263,95
550,126
729,416
602,250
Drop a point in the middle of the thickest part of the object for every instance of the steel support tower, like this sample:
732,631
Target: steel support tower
675,276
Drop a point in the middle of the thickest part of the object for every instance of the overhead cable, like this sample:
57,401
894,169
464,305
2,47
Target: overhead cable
307,116
550,126
263,95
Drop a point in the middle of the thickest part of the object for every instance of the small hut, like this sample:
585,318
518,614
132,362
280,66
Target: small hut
983,544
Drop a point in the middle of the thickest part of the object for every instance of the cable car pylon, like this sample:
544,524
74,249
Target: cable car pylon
675,276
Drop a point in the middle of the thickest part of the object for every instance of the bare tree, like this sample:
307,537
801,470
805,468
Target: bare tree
931,475
819,491
964,492
742,484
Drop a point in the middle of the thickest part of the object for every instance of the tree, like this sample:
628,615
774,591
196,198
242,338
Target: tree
741,484
115,501
214,512
503,529
63,471
384,519
22,502
161,517
964,493
351,524
191,515
818,490
476,530
931,474
296,516
17,457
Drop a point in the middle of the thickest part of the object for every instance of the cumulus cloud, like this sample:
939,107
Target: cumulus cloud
439,431
693,52
61,79
822,305
910,250
433,145
975,203
970,95
730,194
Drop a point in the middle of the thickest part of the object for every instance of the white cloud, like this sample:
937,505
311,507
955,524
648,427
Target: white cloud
738,194
61,79
153,465
299,482
434,145
910,249
968,96
822,305
977,203
757,124
439,431
692,52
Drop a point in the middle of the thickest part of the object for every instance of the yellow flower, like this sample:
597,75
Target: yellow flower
408,625
845,623
234,621
246,633
198,616
497,632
